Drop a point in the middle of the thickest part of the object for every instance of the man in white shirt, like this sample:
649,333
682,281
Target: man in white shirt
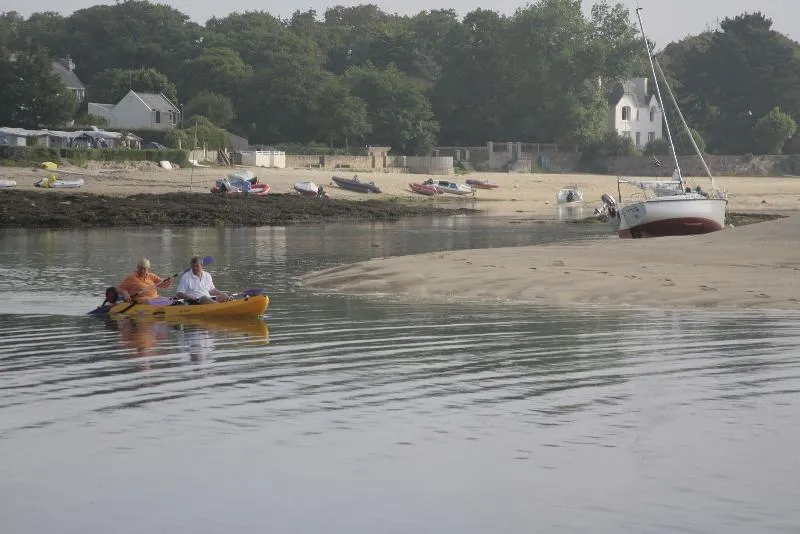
197,286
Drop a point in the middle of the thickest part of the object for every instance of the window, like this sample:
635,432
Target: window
158,117
626,134
651,137
637,114
626,113
638,138
652,114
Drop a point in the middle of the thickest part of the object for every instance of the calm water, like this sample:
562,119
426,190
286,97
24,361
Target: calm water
351,415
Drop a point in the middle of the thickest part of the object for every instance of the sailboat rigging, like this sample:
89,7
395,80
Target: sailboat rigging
671,207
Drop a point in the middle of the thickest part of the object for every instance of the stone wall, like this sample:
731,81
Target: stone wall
377,162
692,166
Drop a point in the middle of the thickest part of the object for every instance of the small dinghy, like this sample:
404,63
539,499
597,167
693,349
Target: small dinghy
425,189
5,184
482,184
240,182
453,188
354,184
53,182
309,189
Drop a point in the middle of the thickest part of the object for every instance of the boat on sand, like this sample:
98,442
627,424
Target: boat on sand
670,207
354,184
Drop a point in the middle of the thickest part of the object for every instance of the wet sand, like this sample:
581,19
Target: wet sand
756,266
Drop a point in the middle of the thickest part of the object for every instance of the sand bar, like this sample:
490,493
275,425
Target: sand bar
755,266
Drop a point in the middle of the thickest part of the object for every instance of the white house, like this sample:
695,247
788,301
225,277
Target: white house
635,114
138,111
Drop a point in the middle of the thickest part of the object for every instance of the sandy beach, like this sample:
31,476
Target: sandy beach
517,195
755,266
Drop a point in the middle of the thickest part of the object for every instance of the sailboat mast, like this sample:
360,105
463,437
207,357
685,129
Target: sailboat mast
660,99
686,126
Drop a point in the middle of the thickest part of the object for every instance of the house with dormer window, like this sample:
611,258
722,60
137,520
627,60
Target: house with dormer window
65,69
635,113
139,111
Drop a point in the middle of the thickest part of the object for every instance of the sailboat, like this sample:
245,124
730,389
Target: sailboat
670,207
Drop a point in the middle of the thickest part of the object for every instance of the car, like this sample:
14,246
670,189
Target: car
152,145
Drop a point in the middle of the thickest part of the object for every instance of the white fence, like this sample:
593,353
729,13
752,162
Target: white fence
264,158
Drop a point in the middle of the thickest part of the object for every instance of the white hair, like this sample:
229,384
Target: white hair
144,262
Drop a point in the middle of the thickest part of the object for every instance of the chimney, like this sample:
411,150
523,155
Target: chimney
70,64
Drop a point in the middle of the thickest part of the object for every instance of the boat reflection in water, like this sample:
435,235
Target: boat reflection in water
194,337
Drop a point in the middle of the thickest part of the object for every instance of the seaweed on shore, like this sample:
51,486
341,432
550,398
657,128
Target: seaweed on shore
57,209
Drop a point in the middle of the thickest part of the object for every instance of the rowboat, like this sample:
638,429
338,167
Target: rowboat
254,306
425,189
482,184
354,184
5,184
53,182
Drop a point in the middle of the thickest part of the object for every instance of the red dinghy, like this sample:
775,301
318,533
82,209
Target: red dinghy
425,189
482,184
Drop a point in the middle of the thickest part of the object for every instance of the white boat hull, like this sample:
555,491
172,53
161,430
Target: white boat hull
688,214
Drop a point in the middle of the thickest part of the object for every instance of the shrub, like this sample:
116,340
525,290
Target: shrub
683,146
773,130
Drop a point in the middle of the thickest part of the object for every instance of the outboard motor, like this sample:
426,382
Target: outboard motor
609,204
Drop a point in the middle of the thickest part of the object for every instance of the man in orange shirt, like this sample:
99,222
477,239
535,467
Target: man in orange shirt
142,285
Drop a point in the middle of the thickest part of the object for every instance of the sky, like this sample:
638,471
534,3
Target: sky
665,20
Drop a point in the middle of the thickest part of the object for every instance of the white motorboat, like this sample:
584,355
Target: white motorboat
569,194
670,207
453,188
7,184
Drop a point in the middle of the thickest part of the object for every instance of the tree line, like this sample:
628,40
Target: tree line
358,75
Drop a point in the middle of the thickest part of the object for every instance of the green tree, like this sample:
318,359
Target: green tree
201,132
132,34
745,69
33,95
216,107
773,130
340,116
657,147
111,85
400,114
11,24
217,70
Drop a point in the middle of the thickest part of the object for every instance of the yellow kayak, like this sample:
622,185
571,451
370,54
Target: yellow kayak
254,306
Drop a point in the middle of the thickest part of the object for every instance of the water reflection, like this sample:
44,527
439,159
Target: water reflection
193,337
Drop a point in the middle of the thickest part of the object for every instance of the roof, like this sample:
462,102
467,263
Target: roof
67,76
156,101
104,106
637,88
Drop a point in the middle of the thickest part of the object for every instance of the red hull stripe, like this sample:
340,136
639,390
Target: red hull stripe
682,226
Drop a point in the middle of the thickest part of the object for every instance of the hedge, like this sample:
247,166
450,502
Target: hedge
24,155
